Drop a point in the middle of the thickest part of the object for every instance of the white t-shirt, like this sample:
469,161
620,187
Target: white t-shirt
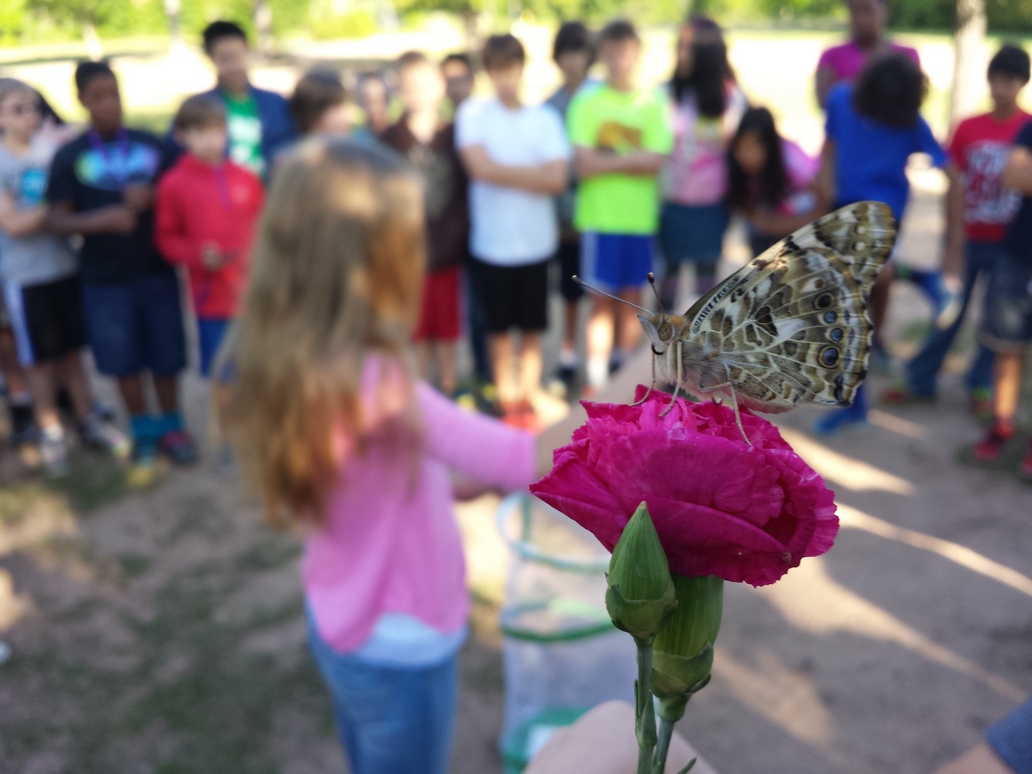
511,227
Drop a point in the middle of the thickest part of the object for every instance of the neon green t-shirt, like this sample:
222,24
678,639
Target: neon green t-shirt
621,122
245,133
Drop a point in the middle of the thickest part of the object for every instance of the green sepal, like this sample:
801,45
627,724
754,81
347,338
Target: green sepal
676,676
641,618
641,594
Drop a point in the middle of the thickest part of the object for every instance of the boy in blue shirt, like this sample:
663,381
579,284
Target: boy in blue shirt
102,187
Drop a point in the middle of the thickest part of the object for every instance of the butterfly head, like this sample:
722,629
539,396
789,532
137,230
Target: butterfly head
661,330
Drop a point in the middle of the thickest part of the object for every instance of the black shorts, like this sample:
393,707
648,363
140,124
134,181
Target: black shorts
568,258
47,319
513,296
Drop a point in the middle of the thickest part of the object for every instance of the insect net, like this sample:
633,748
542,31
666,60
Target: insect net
561,653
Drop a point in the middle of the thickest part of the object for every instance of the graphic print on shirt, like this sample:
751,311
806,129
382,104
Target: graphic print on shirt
32,188
614,136
437,176
985,199
244,128
112,166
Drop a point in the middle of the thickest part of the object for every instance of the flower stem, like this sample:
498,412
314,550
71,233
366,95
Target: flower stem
669,713
645,712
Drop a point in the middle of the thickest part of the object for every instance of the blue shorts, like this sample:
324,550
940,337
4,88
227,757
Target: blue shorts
210,333
693,234
136,326
616,261
1007,312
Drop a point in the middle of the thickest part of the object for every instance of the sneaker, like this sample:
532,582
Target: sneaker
901,395
566,374
53,453
485,397
145,453
102,434
179,447
1025,468
988,450
23,425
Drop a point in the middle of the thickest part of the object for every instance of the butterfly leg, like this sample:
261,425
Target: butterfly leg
738,414
677,387
734,404
645,397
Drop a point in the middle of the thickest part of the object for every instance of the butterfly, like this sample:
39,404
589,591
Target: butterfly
789,327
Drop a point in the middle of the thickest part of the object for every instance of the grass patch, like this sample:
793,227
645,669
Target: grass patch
213,703
270,554
134,565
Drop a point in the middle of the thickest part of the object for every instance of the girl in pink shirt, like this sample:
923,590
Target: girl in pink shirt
706,105
333,428
770,181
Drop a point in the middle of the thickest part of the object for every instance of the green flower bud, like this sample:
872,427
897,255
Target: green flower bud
683,650
640,596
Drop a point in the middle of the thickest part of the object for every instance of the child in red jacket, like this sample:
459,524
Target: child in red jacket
206,213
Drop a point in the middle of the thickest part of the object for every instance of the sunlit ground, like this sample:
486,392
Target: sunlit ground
160,629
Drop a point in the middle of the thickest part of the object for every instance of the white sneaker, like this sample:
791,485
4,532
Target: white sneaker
53,452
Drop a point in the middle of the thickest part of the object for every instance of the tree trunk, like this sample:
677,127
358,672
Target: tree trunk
94,48
263,24
970,59
173,8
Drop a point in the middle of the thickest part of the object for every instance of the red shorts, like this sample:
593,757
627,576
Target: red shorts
439,308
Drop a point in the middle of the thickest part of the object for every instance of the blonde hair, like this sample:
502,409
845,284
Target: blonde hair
337,274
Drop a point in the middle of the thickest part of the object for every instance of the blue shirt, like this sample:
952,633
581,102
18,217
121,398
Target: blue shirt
1019,235
1011,739
871,158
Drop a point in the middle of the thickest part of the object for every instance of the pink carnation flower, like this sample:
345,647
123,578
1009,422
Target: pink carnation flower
721,507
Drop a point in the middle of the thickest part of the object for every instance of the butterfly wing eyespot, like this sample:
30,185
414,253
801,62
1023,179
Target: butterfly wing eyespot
792,325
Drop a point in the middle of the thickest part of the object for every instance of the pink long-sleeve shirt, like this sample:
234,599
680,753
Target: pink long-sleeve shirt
391,543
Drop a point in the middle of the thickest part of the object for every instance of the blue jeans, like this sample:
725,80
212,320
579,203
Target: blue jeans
922,370
391,720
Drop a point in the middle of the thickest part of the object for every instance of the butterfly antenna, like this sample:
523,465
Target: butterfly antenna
584,284
659,301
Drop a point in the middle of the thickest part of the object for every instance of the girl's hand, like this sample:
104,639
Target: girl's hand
212,257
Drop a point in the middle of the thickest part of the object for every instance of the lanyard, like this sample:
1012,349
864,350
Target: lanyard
117,171
222,186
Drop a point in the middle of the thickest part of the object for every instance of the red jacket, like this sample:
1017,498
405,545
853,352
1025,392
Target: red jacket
197,205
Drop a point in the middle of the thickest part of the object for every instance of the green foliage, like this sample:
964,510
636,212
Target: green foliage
354,24
33,21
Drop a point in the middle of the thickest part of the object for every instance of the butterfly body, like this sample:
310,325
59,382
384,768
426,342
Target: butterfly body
791,326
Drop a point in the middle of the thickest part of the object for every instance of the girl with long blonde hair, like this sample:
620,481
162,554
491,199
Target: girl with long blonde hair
332,427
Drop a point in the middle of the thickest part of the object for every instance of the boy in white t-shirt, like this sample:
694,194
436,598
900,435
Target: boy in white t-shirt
516,156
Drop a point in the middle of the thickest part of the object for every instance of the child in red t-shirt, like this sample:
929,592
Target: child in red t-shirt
979,210
206,213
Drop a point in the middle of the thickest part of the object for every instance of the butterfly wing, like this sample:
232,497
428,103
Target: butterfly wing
792,326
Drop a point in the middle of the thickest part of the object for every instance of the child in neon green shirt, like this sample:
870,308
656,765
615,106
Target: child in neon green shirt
620,135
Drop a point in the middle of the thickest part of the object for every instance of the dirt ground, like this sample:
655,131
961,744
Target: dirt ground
159,629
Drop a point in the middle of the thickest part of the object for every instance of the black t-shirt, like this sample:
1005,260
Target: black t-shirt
1019,234
91,174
